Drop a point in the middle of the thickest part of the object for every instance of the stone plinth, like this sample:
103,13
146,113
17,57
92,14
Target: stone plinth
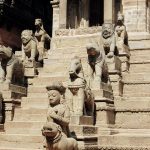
82,120
83,130
30,72
105,115
125,61
114,64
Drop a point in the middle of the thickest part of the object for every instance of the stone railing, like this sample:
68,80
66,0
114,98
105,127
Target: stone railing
79,31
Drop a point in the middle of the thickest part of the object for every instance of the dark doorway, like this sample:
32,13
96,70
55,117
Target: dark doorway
96,12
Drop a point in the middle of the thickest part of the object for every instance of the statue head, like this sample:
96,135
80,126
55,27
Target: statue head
107,30
55,92
75,66
26,36
38,23
51,129
5,52
92,49
120,18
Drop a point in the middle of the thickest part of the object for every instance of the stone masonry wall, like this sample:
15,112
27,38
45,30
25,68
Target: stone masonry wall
135,12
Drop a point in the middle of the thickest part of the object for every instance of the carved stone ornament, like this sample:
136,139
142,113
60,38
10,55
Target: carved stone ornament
121,36
58,111
80,98
97,68
42,39
55,140
11,69
108,40
29,48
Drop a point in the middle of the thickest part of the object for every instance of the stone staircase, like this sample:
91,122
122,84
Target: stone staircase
132,121
132,128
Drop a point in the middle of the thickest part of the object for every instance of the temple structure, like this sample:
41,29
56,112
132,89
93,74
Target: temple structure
92,89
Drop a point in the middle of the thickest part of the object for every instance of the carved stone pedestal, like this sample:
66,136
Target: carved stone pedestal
30,72
117,84
105,116
12,95
114,64
105,91
82,120
125,61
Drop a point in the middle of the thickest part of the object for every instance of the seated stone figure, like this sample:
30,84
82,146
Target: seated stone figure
29,48
121,35
97,67
11,69
42,38
108,40
58,111
55,140
79,96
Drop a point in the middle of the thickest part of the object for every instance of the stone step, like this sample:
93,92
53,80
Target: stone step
125,140
31,111
21,141
24,125
132,118
136,103
137,76
10,148
29,117
139,68
34,102
23,131
136,87
140,55
74,41
138,44
48,80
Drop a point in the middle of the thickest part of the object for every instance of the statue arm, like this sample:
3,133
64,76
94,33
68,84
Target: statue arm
52,115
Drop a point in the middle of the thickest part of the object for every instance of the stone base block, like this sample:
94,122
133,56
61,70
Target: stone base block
30,72
125,141
105,114
117,88
133,119
83,130
125,64
104,91
114,64
82,120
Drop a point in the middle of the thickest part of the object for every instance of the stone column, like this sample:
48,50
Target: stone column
109,11
63,14
135,13
55,26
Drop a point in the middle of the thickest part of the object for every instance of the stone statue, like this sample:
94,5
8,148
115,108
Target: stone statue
58,111
108,40
97,67
121,35
55,140
1,108
29,48
80,98
11,69
42,38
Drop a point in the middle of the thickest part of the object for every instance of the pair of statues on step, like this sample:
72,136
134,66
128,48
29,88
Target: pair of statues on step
35,47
